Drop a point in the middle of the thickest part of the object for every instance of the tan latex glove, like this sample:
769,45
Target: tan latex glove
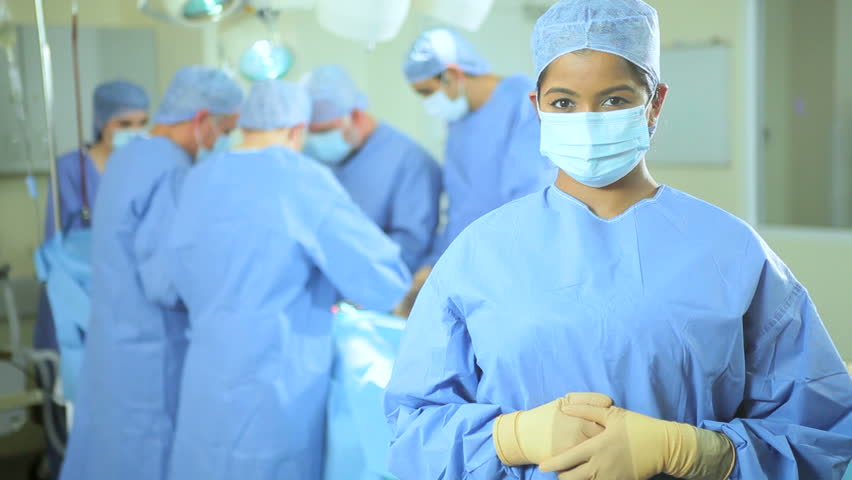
636,447
532,436
407,303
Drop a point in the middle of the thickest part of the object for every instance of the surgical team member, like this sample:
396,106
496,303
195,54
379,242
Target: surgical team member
136,338
491,155
121,111
264,240
392,178
607,282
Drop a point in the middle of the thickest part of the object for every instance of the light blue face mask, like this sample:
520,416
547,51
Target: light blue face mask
330,147
595,148
122,137
222,144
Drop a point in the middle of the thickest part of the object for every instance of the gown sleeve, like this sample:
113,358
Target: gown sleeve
362,263
439,429
151,242
796,417
414,214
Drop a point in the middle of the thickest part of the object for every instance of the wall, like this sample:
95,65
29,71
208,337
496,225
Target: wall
821,260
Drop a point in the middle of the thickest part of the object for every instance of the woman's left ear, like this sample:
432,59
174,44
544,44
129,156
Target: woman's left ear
657,102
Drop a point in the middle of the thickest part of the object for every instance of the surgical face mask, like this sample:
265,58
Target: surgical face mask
122,137
595,148
440,105
330,147
222,144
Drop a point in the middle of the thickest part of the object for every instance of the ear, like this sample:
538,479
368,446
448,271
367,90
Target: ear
657,103
456,73
534,100
200,116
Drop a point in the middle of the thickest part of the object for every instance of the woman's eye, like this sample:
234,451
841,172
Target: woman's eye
125,124
615,102
561,104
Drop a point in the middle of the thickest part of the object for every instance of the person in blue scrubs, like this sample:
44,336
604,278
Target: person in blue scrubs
607,282
264,238
136,339
120,110
491,154
392,178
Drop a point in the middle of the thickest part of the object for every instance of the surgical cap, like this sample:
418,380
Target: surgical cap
333,93
195,88
273,104
436,49
627,28
115,98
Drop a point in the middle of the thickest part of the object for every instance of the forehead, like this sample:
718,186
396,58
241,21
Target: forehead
131,115
588,69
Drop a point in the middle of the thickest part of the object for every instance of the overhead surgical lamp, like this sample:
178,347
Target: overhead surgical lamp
266,59
368,21
189,12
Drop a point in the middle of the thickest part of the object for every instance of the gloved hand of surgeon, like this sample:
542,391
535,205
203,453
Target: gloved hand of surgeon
634,446
533,436
582,436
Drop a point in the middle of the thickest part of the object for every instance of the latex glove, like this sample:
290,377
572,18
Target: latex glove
634,446
532,436
407,303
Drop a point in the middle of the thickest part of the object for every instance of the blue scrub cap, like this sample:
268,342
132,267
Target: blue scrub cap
436,49
627,28
333,93
275,104
195,88
114,98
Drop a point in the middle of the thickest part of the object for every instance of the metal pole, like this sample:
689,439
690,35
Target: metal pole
47,91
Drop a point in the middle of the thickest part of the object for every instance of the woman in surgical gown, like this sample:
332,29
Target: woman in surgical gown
120,111
608,282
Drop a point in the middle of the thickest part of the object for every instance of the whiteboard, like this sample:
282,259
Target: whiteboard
105,54
694,127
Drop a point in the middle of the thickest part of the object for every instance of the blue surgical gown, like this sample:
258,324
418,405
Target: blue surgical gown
675,309
71,201
491,158
263,242
398,185
136,338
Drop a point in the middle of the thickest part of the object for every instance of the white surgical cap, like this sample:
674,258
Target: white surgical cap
195,88
436,49
273,104
627,28
333,93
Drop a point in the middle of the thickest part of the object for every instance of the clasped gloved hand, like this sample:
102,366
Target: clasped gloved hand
636,447
532,436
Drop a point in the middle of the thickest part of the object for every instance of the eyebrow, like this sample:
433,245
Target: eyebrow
562,90
617,88
608,91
